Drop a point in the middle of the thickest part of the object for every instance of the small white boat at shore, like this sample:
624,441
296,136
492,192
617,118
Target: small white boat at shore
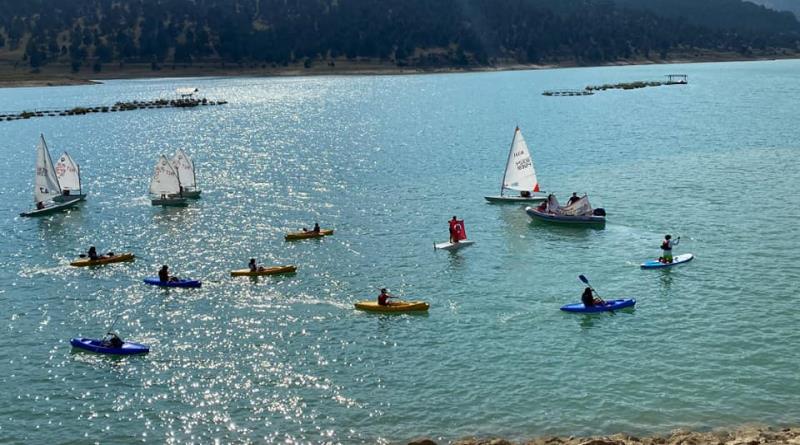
166,185
520,175
45,185
184,166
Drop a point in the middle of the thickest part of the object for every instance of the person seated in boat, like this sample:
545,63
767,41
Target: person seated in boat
112,340
66,192
316,228
163,275
383,298
39,205
666,248
573,199
525,194
92,254
589,300
253,266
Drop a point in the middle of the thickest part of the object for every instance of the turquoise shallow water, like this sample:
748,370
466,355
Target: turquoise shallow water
386,161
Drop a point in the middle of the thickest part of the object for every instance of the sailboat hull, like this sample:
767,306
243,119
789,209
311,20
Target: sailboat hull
193,194
169,202
51,209
515,199
69,198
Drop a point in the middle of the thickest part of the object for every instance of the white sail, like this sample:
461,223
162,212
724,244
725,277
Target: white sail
185,167
69,173
520,174
165,180
45,186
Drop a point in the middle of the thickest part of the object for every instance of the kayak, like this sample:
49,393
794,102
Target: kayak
307,234
96,345
393,307
266,271
83,262
453,246
611,305
678,259
180,283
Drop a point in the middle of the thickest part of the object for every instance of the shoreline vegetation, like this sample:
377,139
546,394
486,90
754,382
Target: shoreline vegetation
745,435
61,74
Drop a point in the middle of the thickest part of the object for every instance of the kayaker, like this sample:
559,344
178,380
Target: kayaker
253,266
163,275
383,298
588,299
666,248
92,253
573,199
112,340
316,228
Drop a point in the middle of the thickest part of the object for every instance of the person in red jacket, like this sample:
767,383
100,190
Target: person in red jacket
383,298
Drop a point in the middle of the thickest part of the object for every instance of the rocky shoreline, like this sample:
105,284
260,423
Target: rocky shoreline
741,436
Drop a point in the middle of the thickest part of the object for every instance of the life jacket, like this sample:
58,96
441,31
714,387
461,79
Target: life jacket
665,245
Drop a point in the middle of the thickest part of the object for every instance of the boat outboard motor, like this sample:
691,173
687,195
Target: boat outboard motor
599,212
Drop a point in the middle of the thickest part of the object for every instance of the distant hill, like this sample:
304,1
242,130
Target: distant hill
91,34
792,6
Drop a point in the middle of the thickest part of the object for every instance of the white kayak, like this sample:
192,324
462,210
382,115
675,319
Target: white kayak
453,246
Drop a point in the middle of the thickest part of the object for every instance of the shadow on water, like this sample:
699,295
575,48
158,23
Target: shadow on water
665,278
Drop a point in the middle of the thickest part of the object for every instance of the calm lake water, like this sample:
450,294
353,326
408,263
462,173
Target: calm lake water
386,161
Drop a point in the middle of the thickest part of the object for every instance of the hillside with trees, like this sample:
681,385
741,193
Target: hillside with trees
92,34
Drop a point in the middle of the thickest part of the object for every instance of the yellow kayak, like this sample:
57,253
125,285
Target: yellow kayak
393,307
83,262
264,271
303,235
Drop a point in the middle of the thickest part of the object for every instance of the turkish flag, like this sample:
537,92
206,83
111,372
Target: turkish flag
458,230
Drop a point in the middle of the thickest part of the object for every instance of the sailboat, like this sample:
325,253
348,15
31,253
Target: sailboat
45,185
166,185
183,164
69,177
520,176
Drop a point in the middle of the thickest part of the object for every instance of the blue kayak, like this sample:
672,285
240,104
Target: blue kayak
611,305
98,346
679,259
180,283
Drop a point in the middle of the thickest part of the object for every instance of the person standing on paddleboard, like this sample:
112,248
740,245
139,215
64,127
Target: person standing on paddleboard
453,233
666,248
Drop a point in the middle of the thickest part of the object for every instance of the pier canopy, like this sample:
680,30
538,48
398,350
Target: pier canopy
186,92
677,78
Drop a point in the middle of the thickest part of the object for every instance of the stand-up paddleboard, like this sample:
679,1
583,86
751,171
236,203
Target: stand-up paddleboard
610,305
676,260
154,281
453,246
519,176
100,347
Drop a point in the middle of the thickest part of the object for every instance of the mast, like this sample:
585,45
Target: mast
505,170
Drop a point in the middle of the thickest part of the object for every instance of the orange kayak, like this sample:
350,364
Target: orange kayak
83,262
309,234
264,271
393,307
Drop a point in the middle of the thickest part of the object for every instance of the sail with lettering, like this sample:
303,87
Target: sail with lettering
519,175
184,166
166,184
46,186
69,177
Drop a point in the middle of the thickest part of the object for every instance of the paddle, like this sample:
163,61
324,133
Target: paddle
108,331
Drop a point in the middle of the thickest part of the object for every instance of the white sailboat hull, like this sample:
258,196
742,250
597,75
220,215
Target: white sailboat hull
453,246
56,207
68,198
515,199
